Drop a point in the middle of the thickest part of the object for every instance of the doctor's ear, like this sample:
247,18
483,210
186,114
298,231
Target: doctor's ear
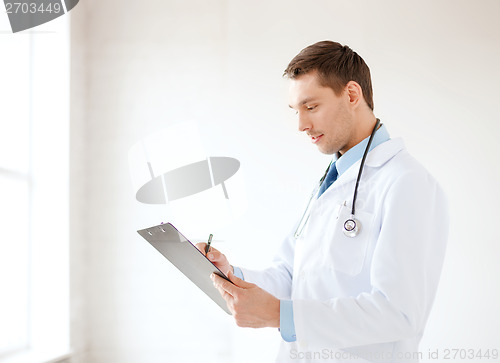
354,93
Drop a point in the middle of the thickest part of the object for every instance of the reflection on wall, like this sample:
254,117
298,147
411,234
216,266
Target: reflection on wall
170,167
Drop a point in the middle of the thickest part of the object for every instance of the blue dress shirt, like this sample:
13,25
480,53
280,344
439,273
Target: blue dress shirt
238,273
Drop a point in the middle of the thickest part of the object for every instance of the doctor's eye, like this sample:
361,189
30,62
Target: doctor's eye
310,108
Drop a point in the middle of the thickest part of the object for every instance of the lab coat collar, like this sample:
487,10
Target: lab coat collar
375,158
383,153
356,152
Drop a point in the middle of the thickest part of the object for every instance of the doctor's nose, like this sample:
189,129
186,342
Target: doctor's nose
304,122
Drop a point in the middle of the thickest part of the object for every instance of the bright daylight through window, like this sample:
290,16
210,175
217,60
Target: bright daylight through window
34,128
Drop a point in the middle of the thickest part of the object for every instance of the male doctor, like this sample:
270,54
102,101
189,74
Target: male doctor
338,297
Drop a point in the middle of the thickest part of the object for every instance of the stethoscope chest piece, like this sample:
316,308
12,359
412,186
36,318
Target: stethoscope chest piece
352,227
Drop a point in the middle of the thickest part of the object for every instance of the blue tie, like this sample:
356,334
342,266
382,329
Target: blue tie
330,178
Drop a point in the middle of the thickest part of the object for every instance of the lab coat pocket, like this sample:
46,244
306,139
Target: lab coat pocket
347,254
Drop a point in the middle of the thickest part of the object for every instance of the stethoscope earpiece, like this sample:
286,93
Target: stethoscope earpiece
352,227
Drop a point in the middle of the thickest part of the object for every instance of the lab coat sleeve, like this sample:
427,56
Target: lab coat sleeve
405,271
277,279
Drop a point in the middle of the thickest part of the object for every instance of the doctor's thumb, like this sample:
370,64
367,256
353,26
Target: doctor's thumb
237,281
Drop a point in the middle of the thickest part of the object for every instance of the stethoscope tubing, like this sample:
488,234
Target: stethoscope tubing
362,165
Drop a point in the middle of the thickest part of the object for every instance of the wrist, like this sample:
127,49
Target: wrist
277,314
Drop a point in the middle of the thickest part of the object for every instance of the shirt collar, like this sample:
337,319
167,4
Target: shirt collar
355,153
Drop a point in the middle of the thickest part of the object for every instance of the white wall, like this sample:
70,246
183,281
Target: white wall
140,67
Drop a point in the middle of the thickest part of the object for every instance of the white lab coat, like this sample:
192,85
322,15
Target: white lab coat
365,298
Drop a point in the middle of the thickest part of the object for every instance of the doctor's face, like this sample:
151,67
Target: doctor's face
322,115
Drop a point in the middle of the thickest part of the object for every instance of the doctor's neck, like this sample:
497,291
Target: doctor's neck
362,128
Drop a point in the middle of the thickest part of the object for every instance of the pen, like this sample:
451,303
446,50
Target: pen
208,244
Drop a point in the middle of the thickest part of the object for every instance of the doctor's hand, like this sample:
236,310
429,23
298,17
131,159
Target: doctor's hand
250,305
217,258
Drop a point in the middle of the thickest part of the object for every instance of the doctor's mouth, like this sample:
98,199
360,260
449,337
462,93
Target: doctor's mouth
316,139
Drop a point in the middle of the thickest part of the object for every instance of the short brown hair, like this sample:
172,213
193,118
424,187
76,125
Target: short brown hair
336,66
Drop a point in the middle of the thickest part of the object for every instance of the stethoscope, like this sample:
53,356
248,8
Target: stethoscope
352,226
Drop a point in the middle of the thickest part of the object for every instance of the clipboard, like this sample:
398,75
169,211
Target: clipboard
187,258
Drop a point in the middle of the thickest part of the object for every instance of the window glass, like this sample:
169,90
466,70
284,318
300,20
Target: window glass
14,99
14,282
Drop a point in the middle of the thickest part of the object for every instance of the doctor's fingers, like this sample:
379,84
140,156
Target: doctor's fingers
226,296
217,258
213,255
202,246
225,285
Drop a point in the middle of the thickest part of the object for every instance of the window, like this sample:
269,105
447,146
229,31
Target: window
34,128
15,190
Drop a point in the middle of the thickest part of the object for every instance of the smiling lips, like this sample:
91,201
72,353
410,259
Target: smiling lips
315,139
